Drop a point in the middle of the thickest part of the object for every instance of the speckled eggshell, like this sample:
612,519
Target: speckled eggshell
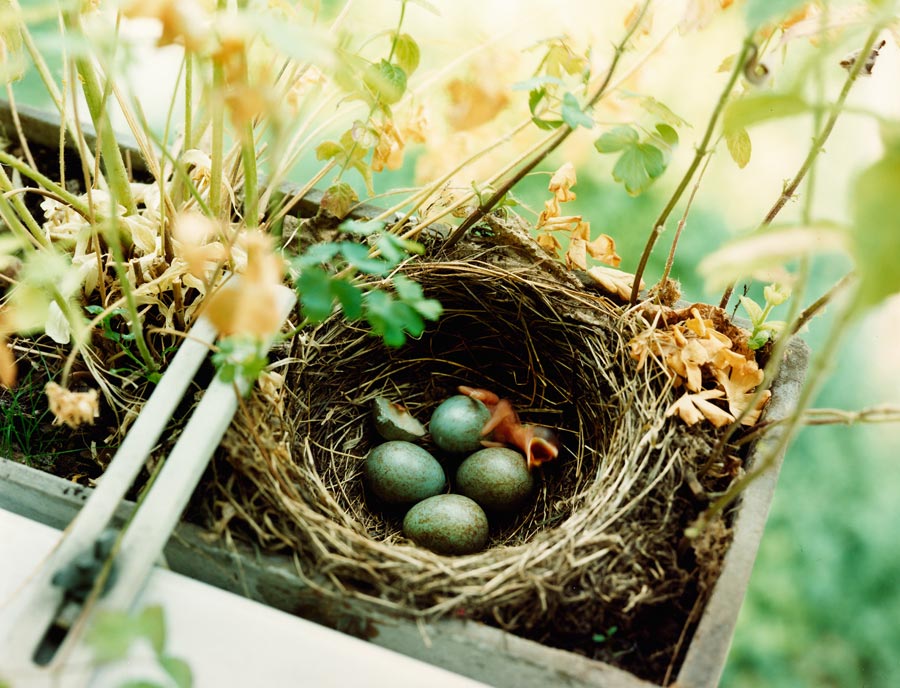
456,424
393,422
400,472
447,524
496,477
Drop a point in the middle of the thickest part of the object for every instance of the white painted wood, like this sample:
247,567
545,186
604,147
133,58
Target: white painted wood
227,640
40,600
24,623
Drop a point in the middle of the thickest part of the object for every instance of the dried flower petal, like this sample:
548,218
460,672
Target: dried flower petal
614,281
603,248
251,305
72,408
549,243
7,364
693,408
193,233
389,149
562,181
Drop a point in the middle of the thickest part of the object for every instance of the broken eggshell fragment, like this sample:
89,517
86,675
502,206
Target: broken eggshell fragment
393,422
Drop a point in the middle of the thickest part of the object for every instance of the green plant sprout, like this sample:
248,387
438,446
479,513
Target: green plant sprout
764,330
112,635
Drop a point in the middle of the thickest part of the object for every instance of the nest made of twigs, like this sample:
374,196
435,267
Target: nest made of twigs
601,538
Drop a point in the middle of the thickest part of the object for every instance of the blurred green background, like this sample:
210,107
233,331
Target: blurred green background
823,608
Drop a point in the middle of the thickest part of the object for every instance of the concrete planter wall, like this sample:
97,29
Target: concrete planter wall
465,647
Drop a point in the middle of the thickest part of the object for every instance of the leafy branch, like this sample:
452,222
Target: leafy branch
816,148
554,141
747,52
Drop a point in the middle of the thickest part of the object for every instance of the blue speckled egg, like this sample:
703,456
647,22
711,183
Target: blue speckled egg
447,524
403,473
456,424
497,478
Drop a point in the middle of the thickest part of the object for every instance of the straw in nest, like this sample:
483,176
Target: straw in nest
599,544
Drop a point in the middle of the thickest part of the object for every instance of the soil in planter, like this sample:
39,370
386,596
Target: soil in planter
29,434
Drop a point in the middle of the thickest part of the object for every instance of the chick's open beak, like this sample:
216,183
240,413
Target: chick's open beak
542,445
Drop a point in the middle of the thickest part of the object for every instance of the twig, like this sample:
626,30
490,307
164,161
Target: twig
552,144
682,222
872,414
813,309
747,52
817,147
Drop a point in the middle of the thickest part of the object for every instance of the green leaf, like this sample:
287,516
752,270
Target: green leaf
328,150
430,309
384,317
758,107
534,99
240,356
396,249
349,296
754,310
179,670
406,53
758,340
761,11
617,139
361,227
739,146
358,256
875,209
314,288
317,254
572,113
638,166
662,112
338,199
407,289
759,252
668,135
151,624
386,81
111,635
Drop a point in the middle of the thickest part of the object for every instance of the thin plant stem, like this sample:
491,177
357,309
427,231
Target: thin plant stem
747,51
816,306
251,188
111,231
670,261
22,210
37,59
815,380
23,140
27,171
818,144
188,101
552,144
418,199
216,179
94,95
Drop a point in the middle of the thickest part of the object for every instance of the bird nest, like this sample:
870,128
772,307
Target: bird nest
601,542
